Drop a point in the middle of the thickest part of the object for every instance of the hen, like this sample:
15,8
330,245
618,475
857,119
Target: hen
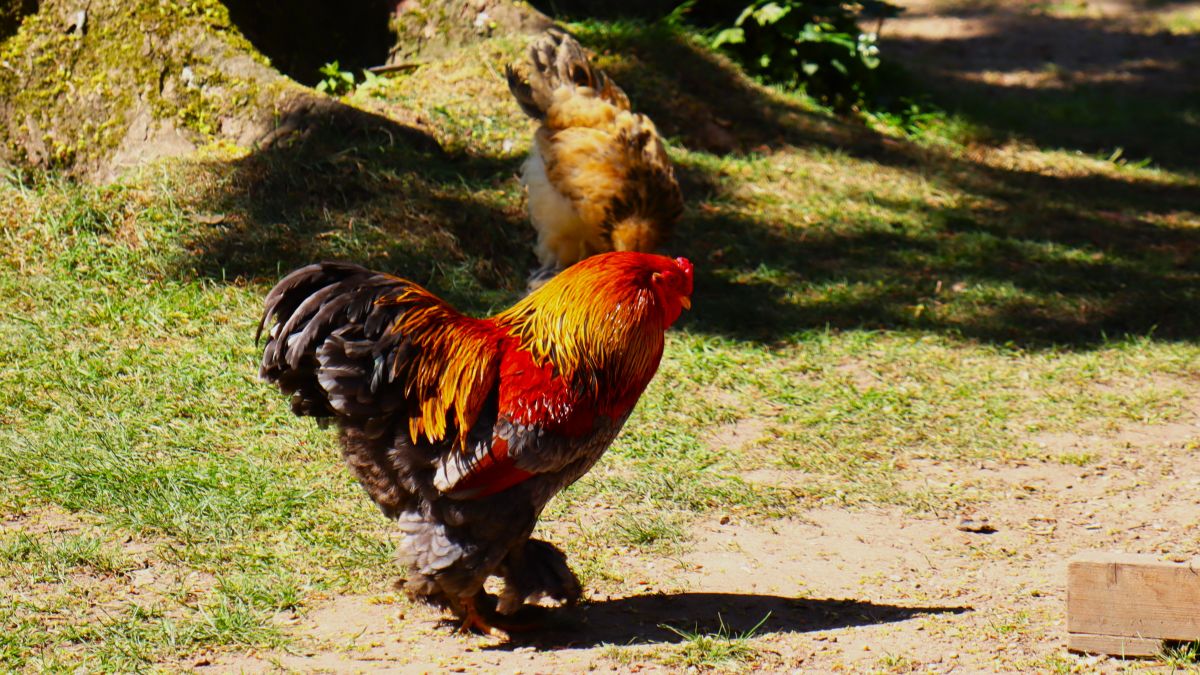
461,429
598,176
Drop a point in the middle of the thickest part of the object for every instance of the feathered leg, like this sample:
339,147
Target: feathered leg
535,571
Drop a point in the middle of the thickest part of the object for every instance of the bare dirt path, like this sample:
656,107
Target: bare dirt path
858,589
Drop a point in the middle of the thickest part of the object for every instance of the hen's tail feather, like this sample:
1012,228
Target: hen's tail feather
557,60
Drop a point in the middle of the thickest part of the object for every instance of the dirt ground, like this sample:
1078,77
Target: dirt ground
850,588
1045,45
840,589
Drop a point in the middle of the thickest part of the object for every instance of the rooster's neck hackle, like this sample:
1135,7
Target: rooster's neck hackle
597,321
596,329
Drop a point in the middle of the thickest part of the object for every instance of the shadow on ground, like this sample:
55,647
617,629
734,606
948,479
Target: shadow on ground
1020,257
1043,261
1081,83
338,183
1069,259
644,619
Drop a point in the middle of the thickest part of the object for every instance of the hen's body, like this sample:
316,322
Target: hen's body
598,176
462,429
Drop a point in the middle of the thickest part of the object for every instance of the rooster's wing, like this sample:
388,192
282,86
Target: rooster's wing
375,351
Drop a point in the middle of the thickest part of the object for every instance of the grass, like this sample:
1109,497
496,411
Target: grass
1181,655
648,531
872,294
721,649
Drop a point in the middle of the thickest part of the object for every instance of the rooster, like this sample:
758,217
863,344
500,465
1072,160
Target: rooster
461,429
598,176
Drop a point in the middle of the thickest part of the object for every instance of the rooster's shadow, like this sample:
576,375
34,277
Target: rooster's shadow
670,618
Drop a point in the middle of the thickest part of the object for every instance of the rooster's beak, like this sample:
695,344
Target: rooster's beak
685,301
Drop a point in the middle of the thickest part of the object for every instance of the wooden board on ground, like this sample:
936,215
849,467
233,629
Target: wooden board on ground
1113,645
1125,604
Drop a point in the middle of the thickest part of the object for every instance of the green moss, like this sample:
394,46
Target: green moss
72,98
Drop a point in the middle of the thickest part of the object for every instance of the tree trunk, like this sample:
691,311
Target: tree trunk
93,87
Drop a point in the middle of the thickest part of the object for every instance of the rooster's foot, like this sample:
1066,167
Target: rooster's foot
479,616
474,622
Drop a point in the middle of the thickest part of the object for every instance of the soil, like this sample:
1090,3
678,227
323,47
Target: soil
1028,44
853,589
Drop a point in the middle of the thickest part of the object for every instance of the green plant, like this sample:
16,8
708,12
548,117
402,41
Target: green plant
815,45
1181,654
335,81
714,650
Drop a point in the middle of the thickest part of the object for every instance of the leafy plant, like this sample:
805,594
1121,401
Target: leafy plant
335,81
815,45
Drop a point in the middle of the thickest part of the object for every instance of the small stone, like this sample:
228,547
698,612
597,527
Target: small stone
142,577
976,524
725,520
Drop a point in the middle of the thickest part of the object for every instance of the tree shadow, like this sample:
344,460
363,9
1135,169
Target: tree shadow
1023,258
644,619
336,182
1045,259
1084,84
1047,276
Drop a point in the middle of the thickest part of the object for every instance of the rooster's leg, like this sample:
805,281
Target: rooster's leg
479,620
473,621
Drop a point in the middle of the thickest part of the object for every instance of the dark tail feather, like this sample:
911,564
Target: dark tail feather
303,311
556,60
299,285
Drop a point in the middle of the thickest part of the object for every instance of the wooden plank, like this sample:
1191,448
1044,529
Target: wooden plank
1121,594
1114,645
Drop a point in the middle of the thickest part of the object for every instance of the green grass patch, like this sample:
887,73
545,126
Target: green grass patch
1185,655
721,649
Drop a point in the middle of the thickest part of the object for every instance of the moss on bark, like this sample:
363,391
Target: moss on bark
427,28
93,88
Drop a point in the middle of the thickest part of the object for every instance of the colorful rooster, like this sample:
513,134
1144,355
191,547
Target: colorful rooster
598,176
462,429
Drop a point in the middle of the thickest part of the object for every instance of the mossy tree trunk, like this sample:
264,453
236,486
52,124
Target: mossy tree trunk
92,87
425,28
